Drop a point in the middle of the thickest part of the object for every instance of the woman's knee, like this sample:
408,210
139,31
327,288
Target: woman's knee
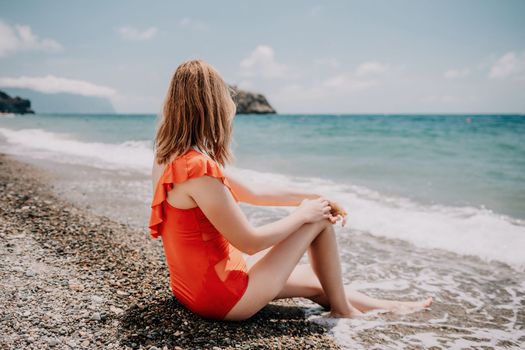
308,233
324,227
330,229
320,225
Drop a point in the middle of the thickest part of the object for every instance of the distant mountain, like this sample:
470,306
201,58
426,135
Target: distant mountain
251,102
247,102
15,105
63,102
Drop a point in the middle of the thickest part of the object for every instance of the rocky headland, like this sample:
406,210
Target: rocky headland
16,105
251,102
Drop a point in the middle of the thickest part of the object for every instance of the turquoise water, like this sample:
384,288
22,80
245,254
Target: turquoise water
455,160
434,159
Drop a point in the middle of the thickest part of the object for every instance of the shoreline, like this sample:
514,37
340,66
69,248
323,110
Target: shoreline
56,251
74,279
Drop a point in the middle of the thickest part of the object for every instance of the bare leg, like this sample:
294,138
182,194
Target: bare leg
324,259
269,274
303,282
365,303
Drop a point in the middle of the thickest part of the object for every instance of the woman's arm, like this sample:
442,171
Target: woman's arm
219,206
268,194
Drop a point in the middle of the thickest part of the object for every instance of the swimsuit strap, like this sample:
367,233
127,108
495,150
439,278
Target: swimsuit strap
190,165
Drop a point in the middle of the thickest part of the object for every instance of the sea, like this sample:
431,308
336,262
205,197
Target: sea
436,205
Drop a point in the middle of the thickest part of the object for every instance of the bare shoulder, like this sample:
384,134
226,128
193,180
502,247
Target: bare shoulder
206,185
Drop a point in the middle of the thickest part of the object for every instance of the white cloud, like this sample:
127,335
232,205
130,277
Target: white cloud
193,24
368,68
51,84
457,73
346,84
337,86
509,65
297,93
261,63
246,84
327,61
332,90
133,34
326,96
21,38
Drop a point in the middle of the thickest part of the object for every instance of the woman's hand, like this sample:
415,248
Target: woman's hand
313,210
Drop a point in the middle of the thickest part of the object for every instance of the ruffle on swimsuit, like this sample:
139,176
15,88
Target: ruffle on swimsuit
190,165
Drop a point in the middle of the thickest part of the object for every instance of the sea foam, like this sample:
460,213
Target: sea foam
463,230
135,155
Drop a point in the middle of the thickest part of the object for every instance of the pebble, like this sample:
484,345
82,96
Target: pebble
97,299
90,269
116,310
75,286
53,341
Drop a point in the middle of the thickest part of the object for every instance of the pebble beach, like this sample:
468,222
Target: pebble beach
73,279
80,271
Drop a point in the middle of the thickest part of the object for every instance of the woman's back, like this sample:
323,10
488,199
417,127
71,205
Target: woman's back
207,274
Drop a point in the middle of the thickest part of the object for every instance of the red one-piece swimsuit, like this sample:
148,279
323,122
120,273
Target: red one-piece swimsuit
207,274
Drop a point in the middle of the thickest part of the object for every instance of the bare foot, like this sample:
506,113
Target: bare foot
406,307
353,313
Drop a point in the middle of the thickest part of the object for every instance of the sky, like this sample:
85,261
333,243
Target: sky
392,56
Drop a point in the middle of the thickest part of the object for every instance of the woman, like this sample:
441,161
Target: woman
205,233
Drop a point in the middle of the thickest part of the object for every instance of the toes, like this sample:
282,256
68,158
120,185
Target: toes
428,302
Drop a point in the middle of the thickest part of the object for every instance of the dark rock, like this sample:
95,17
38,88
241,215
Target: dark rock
15,105
250,102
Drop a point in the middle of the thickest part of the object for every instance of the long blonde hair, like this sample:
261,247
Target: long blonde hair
197,111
